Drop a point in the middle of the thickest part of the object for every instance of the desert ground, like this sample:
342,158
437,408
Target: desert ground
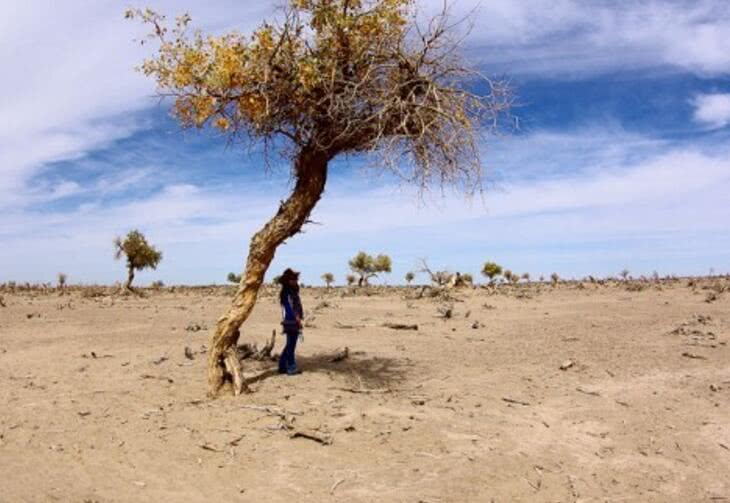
578,392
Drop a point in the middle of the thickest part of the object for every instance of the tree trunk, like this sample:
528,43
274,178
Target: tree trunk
130,277
310,172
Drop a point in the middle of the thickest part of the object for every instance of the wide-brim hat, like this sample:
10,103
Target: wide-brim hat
287,275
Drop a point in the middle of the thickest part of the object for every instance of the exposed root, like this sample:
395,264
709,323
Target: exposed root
233,367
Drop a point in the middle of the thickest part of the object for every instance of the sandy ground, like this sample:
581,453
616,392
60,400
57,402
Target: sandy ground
471,408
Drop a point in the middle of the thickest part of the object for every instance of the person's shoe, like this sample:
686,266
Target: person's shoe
282,371
294,372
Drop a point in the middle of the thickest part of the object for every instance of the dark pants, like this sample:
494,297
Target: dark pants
287,363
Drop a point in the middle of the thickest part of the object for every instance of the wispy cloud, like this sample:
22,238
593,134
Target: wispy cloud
69,85
662,197
573,37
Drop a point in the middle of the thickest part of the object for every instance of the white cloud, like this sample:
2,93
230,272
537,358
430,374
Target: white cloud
577,37
712,109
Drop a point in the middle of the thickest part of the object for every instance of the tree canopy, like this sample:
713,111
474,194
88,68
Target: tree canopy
328,278
337,76
367,266
491,270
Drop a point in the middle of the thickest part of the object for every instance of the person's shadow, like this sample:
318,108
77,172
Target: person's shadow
363,372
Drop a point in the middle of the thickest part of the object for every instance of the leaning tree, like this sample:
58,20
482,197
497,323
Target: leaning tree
326,79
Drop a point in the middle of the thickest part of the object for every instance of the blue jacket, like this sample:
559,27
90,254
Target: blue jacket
291,308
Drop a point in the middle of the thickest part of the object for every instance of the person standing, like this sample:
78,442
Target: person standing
292,316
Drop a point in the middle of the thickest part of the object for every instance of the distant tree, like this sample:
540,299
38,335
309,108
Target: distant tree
467,279
138,252
410,277
491,270
62,280
327,79
157,285
624,274
350,279
367,266
507,275
328,278
233,278
515,278
526,276
554,278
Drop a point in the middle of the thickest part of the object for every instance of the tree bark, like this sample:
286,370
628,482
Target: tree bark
310,172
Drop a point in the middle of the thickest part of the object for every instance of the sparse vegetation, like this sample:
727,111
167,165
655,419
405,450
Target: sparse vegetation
367,266
554,279
410,276
373,350
233,278
62,280
350,278
138,252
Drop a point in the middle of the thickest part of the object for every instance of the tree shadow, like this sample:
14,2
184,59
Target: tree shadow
368,372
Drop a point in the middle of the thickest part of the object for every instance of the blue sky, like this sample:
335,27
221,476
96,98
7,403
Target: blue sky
621,159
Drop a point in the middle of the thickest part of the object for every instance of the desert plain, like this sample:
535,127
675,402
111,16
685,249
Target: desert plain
579,392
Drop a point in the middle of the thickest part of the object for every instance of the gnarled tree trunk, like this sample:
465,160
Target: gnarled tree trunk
311,175
130,277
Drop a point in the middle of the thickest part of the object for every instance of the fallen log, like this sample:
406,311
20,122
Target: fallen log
400,326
